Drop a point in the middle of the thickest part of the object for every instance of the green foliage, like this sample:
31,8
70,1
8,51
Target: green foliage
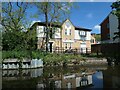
98,37
38,54
16,35
48,59
11,40
14,54
116,11
22,54
116,7
57,58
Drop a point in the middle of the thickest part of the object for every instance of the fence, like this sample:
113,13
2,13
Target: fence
74,51
111,49
108,49
96,48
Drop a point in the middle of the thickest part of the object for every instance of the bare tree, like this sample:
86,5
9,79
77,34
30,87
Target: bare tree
53,12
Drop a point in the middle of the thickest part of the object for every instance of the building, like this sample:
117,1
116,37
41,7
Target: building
64,36
70,81
108,27
93,39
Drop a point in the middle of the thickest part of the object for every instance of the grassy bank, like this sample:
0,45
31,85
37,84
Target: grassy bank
48,58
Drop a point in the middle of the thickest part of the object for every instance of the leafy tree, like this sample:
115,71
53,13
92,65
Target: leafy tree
98,37
11,40
13,15
116,11
13,20
53,12
16,34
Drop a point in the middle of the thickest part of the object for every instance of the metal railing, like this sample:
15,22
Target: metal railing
72,50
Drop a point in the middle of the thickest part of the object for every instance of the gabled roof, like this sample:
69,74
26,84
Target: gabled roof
106,17
66,20
80,28
43,24
59,24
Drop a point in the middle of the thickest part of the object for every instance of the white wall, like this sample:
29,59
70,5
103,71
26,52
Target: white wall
77,36
40,32
113,23
88,35
57,33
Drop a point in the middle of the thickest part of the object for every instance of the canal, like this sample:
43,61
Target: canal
52,78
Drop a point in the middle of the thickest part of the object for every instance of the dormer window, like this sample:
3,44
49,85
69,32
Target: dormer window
82,33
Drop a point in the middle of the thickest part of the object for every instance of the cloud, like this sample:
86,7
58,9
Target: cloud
34,22
89,15
91,0
99,75
96,28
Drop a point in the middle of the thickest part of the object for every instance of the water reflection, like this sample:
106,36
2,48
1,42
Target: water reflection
58,77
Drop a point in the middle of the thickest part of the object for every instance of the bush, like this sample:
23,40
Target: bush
53,58
14,54
48,58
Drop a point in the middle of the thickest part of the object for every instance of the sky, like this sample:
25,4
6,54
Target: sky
88,15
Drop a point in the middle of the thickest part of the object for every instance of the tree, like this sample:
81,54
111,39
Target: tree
13,15
53,12
13,20
116,11
98,37
16,34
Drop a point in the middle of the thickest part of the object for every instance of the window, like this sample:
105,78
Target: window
83,38
70,45
70,32
82,33
108,36
68,24
51,33
66,46
39,29
57,30
92,40
45,29
107,25
65,31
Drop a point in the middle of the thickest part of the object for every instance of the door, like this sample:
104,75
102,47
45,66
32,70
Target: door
51,46
83,48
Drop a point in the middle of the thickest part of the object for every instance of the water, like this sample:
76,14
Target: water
77,77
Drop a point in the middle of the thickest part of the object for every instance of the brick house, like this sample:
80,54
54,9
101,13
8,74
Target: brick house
108,27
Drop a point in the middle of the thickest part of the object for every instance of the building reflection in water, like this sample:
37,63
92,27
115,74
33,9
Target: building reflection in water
60,78
111,77
25,74
72,80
